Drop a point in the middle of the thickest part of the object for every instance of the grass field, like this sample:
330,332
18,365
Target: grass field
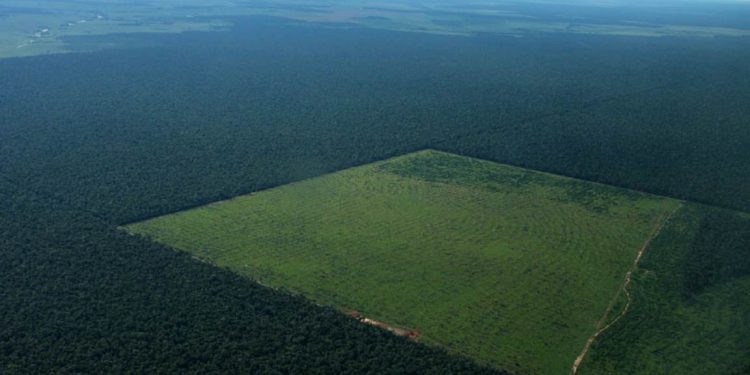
508,266
691,298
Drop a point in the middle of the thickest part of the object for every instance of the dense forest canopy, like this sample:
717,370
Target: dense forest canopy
93,140
138,132
42,26
80,296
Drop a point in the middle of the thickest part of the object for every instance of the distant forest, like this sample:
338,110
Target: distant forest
90,141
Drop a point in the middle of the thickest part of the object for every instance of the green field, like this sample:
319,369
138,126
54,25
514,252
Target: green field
508,266
691,298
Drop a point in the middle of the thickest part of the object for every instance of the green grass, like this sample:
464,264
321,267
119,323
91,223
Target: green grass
505,265
691,298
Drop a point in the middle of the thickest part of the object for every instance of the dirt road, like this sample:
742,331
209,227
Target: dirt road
624,289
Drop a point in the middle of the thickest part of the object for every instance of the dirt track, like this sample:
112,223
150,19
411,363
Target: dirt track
624,289
410,334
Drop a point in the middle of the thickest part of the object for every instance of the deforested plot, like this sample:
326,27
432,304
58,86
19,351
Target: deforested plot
511,267
690,302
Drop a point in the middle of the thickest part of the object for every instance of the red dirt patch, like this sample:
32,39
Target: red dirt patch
412,334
